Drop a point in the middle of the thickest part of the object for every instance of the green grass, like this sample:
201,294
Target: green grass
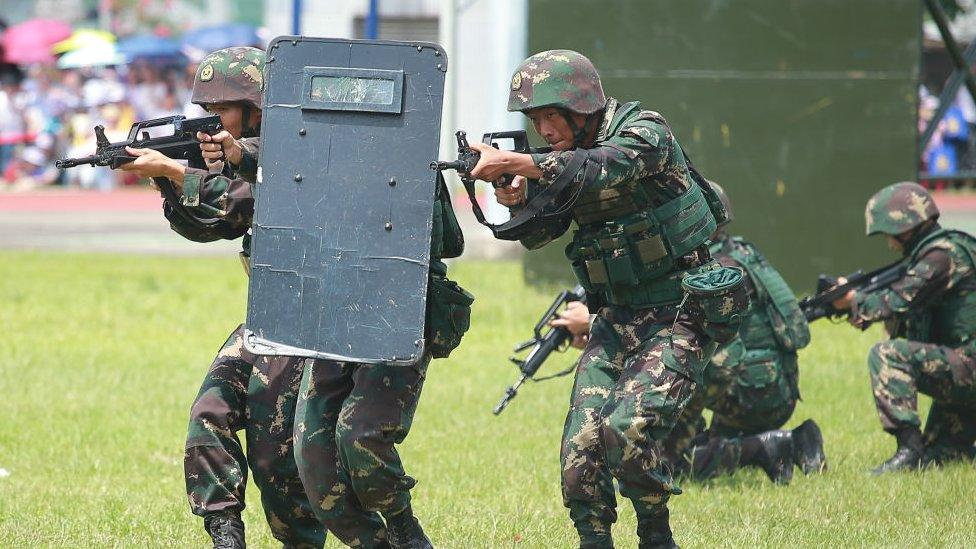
101,356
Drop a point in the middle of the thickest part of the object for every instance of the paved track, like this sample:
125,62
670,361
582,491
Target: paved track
131,221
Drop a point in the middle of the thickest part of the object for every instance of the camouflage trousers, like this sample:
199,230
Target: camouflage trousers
900,369
748,393
348,421
632,382
257,394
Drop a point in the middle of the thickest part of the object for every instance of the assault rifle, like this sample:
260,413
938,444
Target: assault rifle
468,158
180,144
821,304
539,210
556,339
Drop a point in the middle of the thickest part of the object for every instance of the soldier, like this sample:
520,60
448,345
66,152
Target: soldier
752,386
220,205
752,383
643,223
350,416
930,314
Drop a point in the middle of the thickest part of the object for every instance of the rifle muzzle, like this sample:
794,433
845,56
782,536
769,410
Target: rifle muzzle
455,165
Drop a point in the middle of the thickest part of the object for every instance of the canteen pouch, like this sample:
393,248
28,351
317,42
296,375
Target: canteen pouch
716,300
448,315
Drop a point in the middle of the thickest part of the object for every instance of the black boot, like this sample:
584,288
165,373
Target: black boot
908,456
773,452
225,529
808,448
404,532
654,532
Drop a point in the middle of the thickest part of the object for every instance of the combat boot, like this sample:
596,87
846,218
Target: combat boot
403,531
908,455
226,530
808,448
773,452
654,532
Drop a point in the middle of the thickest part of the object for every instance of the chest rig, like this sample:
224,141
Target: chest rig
628,250
952,319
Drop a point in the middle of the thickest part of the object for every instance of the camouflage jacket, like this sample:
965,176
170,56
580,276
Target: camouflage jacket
632,147
225,201
938,289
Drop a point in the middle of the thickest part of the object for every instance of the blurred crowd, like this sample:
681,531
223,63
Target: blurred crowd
952,149
48,113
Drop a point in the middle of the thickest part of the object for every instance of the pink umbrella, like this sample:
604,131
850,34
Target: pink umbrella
31,41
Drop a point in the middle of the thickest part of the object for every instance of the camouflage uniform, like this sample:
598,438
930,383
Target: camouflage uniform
931,316
751,385
350,416
240,390
630,252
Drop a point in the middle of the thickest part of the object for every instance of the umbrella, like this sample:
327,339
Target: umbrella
31,41
149,46
83,38
217,37
92,56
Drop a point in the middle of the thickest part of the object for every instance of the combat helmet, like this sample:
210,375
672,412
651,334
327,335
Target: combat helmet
726,203
230,75
557,78
899,208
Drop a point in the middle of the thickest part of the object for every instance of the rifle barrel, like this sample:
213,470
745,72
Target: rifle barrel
72,162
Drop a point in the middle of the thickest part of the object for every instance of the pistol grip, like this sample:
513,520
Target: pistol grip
505,181
120,160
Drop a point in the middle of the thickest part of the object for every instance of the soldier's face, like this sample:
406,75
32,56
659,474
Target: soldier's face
232,117
895,244
551,125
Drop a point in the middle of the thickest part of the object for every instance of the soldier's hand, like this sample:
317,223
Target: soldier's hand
844,303
493,163
576,319
152,163
514,194
218,147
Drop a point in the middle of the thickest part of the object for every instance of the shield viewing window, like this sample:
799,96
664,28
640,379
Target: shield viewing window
352,89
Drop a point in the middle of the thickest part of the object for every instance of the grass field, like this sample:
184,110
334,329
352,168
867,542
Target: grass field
101,356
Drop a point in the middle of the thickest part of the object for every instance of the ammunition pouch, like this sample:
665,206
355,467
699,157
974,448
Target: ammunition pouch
448,314
446,238
628,260
767,379
717,301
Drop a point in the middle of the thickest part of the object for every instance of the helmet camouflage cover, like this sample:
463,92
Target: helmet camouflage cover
557,78
898,208
726,203
230,75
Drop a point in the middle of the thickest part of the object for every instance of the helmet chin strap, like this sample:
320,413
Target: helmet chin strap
579,132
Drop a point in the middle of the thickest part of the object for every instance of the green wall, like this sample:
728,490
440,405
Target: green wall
801,109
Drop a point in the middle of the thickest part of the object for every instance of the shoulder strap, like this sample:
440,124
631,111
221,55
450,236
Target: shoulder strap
530,215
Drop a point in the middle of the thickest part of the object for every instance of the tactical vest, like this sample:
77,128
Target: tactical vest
775,320
625,249
952,319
